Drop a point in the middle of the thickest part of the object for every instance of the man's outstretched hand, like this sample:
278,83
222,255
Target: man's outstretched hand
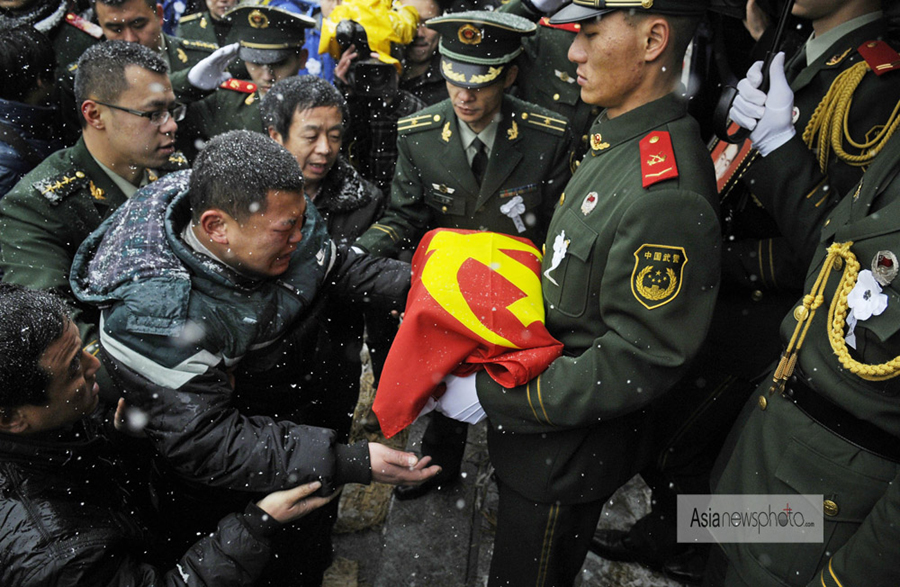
398,467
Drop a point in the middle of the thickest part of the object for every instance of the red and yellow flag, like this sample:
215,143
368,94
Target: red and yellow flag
475,302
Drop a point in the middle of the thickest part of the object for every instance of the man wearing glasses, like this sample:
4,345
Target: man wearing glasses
128,123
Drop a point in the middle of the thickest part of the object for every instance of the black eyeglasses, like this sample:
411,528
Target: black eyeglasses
157,117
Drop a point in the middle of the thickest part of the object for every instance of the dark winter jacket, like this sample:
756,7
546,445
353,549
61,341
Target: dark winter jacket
349,204
175,324
65,520
26,139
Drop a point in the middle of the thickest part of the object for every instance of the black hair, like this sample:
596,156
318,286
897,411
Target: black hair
682,29
30,321
101,70
26,56
118,3
236,171
296,94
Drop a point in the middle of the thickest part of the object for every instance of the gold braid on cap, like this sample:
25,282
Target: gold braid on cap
838,254
827,128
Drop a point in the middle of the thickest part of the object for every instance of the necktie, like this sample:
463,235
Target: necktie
479,161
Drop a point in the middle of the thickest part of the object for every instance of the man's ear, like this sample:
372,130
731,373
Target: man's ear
12,421
91,113
214,224
304,55
658,37
159,13
276,136
511,72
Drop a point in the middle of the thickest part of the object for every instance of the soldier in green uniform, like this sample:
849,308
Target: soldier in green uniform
140,21
271,45
762,274
546,76
525,146
127,139
210,26
629,277
826,421
442,179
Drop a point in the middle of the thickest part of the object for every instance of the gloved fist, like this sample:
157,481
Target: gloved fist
211,72
460,401
767,115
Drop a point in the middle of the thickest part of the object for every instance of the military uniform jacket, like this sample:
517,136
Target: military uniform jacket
630,275
200,26
233,106
434,186
782,451
547,78
794,167
48,213
44,218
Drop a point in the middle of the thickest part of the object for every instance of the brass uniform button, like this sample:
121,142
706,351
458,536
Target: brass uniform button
443,208
79,174
757,295
524,116
800,313
437,117
762,402
829,508
555,97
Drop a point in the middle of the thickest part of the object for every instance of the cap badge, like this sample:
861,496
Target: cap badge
469,35
258,20
597,142
647,4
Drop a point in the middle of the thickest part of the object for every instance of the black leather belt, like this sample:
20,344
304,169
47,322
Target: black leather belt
860,433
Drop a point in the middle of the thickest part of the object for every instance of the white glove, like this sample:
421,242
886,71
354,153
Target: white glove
460,401
210,72
548,6
769,116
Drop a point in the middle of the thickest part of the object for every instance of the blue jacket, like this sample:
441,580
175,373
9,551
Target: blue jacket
34,124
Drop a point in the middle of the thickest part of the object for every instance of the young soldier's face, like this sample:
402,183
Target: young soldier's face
264,75
477,107
133,21
609,55
72,392
262,244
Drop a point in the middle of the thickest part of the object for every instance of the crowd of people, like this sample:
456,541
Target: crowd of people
207,212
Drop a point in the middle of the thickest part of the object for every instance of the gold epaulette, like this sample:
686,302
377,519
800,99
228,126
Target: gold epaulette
190,17
84,26
201,45
418,122
556,126
58,187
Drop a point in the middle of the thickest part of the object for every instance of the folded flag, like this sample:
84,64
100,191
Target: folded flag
475,302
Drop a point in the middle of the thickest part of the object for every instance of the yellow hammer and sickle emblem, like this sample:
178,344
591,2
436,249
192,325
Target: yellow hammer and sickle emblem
440,278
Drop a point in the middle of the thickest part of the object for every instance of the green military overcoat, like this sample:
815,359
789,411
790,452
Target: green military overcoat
434,186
